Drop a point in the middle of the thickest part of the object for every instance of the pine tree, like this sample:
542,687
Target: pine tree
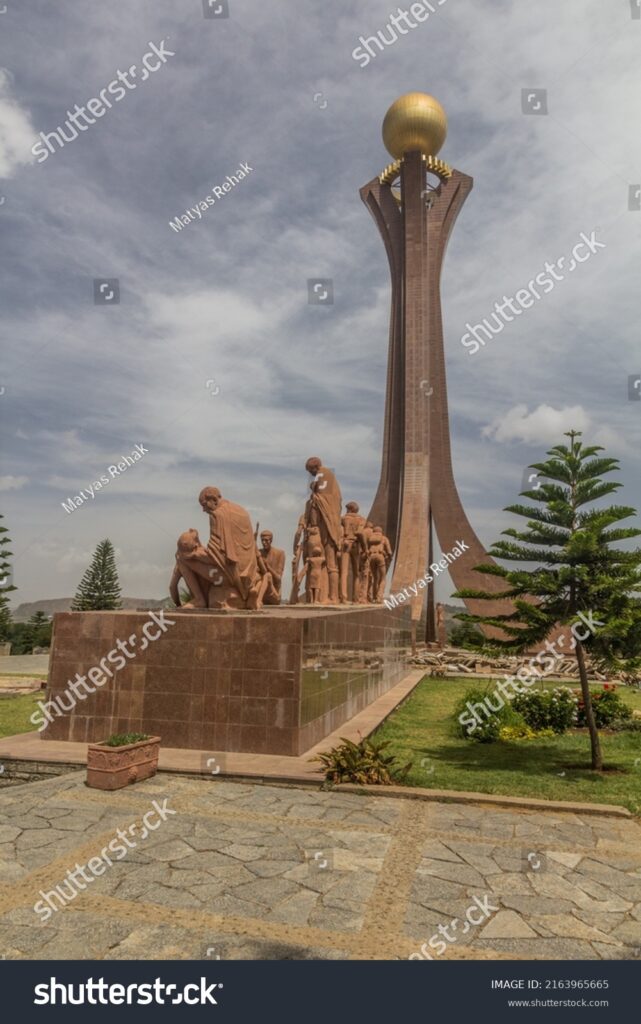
41,627
36,633
579,571
28,637
99,588
467,636
5,586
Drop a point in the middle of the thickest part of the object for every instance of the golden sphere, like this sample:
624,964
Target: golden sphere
414,121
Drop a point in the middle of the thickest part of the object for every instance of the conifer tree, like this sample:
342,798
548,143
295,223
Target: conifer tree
578,570
5,585
99,588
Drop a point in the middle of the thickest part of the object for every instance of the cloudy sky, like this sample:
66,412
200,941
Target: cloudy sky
214,360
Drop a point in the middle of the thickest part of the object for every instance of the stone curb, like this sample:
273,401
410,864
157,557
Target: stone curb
407,792
452,796
490,799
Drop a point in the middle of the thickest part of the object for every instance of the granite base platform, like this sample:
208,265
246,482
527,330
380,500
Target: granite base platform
271,682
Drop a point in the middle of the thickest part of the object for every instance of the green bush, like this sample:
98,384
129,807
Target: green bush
510,733
466,635
607,707
488,729
122,739
625,725
362,762
548,709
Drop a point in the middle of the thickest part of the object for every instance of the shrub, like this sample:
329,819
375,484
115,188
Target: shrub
466,635
489,728
123,738
548,709
625,725
362,762
607,706
507,733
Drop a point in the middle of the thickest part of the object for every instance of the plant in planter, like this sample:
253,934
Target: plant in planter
122,759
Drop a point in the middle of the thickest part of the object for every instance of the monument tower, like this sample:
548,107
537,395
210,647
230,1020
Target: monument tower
415,202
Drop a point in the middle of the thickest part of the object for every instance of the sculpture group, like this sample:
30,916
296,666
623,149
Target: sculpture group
339,557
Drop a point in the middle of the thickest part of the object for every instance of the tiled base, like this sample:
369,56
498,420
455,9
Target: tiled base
27,748
270,682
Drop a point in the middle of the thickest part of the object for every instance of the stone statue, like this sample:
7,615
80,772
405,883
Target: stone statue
189,549
351,523
441,632
225,573
323,510
380,556
305,539
273,561
363,586
313,572
299,541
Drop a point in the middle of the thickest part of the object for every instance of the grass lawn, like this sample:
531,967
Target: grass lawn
422,731
15,712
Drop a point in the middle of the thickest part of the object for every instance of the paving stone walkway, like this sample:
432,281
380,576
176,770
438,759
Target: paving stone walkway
279,872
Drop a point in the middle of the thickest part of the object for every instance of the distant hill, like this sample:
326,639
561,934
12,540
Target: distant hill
25,610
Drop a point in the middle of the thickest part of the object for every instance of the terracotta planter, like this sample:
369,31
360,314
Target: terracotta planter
116,767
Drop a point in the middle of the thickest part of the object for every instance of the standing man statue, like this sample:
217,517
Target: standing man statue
351,523
441,631
364,575
380,556
274,561
323,510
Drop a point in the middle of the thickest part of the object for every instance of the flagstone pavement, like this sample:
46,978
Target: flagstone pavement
256,871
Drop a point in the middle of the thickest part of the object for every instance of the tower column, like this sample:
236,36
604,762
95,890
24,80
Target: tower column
416,487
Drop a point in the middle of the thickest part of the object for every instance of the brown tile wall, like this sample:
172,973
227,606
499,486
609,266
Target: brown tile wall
226,682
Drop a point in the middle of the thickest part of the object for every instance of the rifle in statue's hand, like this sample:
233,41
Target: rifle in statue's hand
293,597
262,568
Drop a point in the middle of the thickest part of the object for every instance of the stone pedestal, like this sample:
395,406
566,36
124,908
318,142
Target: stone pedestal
269,682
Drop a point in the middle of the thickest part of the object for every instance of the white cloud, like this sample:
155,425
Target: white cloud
543,425
16,132
12,483
227,300
546,425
